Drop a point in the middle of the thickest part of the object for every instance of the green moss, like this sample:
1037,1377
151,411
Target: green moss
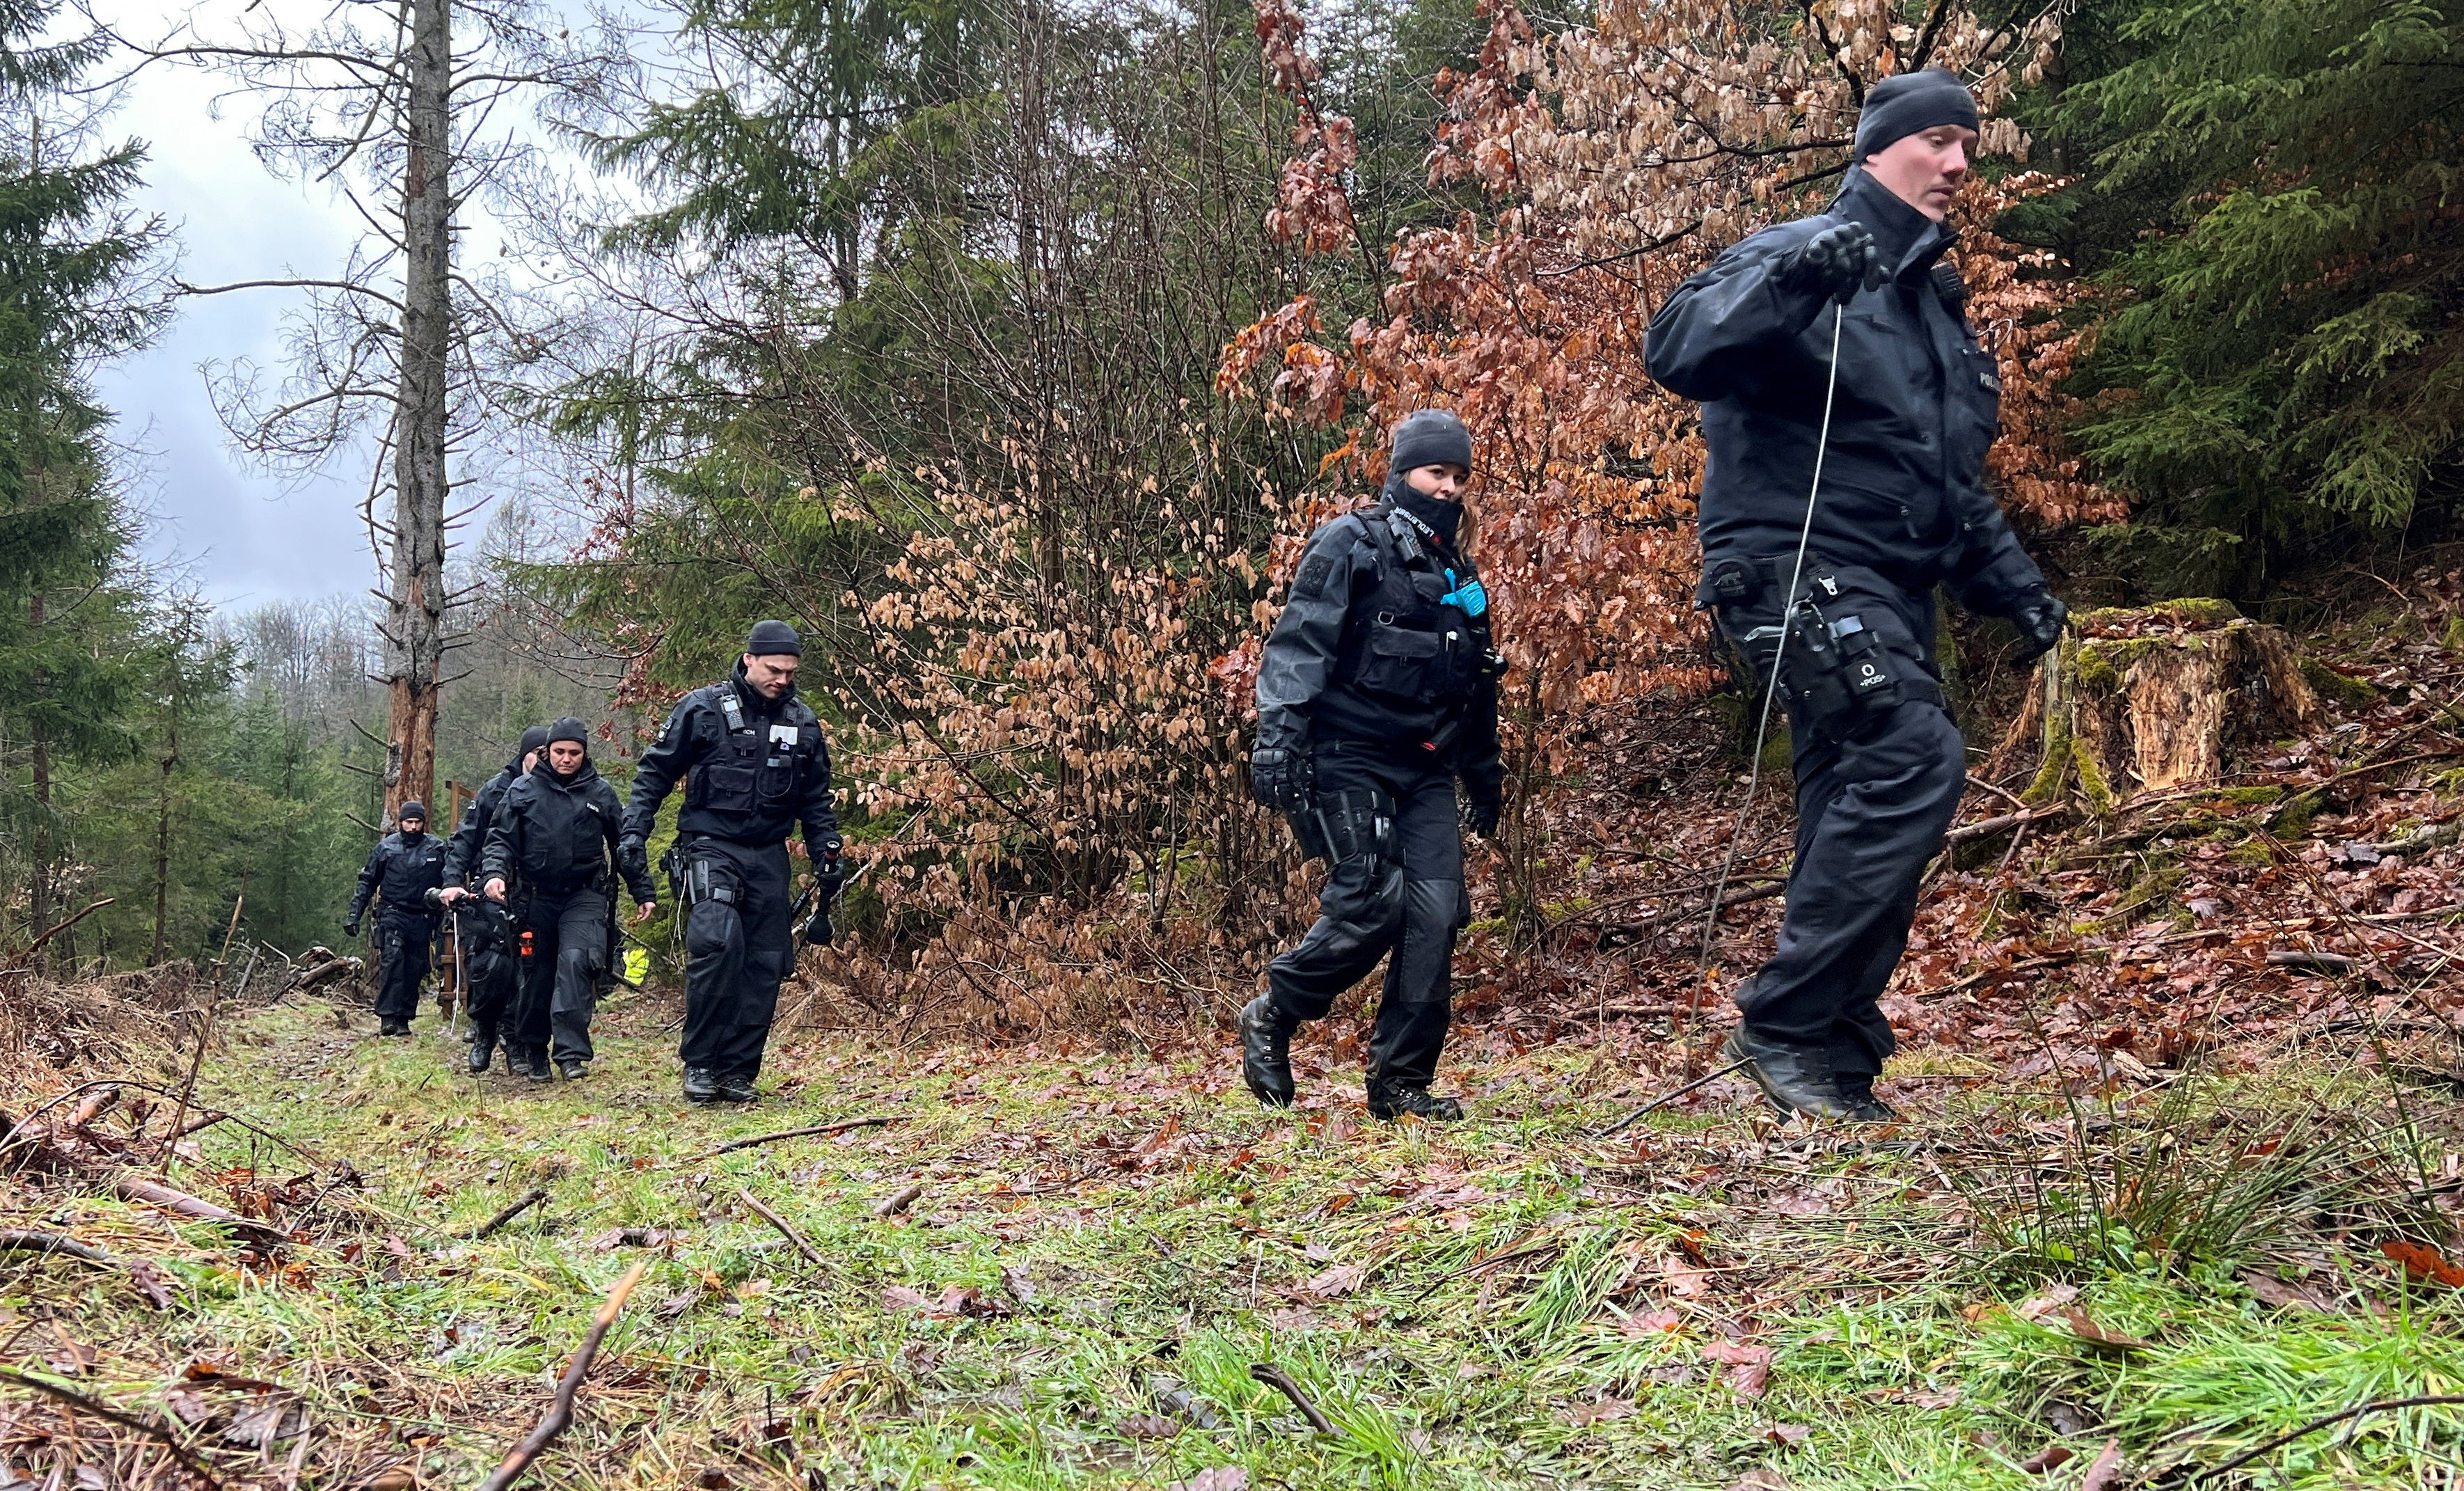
1779,753
2252,852
2247,794
2197,613
2294,817
2339,688
2452,638
2091,778
2095,671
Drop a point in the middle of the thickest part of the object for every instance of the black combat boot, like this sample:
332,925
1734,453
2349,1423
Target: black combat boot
390,1026
1266,1052
537,1070
573,1068
1857,1094
1390,1100
738,1088
702,1085
483,1047
1794,1079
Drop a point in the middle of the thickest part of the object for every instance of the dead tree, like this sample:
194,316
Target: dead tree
400,343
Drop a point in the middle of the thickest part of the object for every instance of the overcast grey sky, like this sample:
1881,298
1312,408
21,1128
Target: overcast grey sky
247,537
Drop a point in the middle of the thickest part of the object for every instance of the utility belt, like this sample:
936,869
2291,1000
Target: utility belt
1844,657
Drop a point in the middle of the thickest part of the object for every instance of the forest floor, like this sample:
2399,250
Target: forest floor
2180,1173
1058,1267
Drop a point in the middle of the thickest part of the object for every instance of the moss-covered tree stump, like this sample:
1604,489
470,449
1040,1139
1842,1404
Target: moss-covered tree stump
2167,695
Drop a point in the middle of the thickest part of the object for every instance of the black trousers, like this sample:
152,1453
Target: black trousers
405,941
1401,891
737,948
1871,811
559,983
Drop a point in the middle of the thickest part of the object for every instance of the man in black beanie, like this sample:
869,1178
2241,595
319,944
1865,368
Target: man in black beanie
404,867
1377,694
1903,508
754,767
551,850
488,956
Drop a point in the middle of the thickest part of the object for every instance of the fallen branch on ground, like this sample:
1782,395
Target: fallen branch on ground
1674,914
1281,1381
842,1126
153,1193
53,1243
533,1197
104,1411
2379,1406
559,1416
2316,962
900,1203
1991,827
780,1222
1665,1099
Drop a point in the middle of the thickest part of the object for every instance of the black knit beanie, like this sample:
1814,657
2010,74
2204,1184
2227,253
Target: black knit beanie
534,738
1897,107
569,729
770,639
413,808
1430,437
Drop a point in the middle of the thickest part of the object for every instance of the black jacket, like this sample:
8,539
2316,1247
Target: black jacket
1918,402
470,835
405,869
1366,651
555,834
754,769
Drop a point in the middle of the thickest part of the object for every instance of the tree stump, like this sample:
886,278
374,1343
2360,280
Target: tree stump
2142,700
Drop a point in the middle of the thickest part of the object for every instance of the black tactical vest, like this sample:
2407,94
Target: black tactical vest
758,771
1404,645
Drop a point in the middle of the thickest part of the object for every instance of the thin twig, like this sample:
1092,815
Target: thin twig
1281,1381
734,1145
559,1416
104,1411
1665,1099
906,1197
2377,1406
533,1197
780,1222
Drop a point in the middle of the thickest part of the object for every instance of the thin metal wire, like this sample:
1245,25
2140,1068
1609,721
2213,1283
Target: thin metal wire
1771,688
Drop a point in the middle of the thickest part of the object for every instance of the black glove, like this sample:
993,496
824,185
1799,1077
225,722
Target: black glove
350,926
830,866
633,856
2040,617
1279,778
1837,262
1480,815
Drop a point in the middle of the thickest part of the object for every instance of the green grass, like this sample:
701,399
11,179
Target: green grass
1118,1237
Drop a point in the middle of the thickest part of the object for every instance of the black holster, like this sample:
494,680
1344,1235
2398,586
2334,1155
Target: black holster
1337,825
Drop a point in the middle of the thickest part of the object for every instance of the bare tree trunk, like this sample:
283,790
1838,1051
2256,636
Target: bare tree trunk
415,603
38,898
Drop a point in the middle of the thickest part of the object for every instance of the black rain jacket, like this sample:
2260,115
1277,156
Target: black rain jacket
555,834
1917,403
1364,651
405,869
470,835
752,773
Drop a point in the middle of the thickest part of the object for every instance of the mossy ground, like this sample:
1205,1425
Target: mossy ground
1106,1243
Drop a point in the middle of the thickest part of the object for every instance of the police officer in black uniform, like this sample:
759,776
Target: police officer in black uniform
1377,693
1903,508
404,867
754,767
555,838
489,967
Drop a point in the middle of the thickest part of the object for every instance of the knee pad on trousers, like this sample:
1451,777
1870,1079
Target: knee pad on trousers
1367,916
584,961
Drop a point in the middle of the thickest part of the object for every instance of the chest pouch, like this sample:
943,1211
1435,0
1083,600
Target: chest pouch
1837,672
